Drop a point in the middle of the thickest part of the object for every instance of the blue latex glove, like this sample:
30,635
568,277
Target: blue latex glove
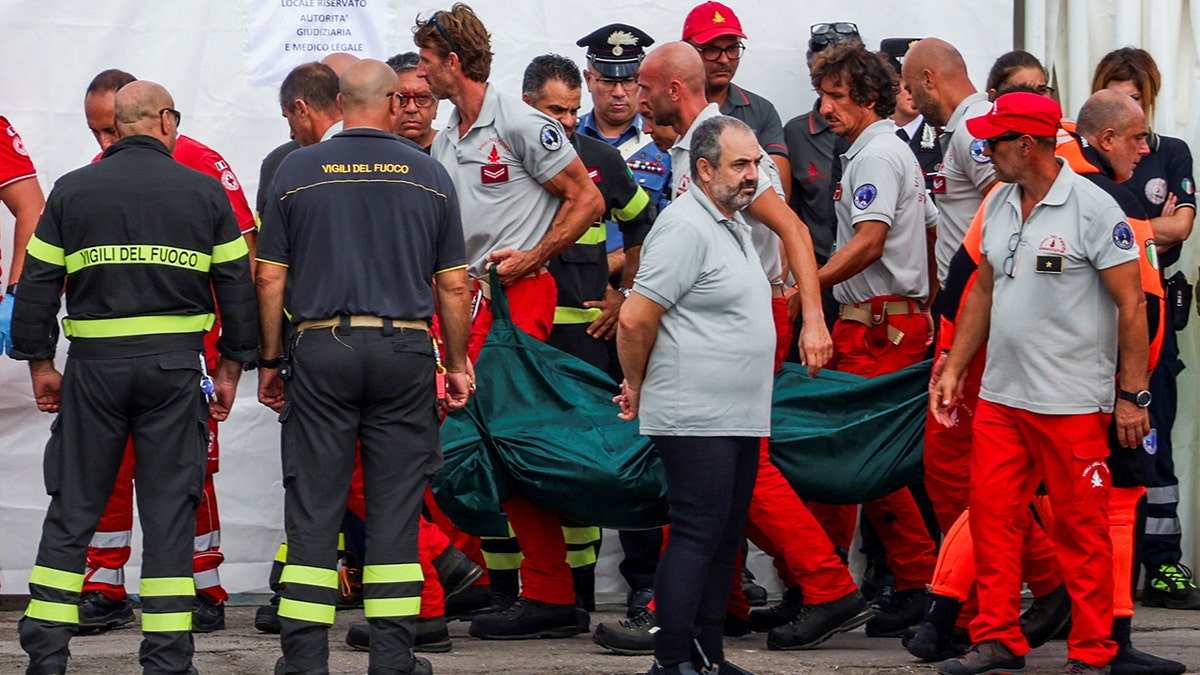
6,308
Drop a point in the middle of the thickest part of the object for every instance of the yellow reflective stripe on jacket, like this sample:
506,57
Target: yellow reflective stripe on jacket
167,586
308,611
576,314
52,611
166,622
138,254
309,576
576,559
392,574
223,253
71,582
137,325
48,253
386,607
636,205
596,234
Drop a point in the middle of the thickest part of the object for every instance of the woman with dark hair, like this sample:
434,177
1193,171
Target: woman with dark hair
1017,69
1162,181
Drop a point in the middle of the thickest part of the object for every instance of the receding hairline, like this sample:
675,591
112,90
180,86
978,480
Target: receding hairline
678,61
1106,109
938,56
366,80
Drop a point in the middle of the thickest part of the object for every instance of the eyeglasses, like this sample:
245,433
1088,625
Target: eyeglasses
176,113
445,36
1010,262
841,28
1010,136
607,84
732,52
422,100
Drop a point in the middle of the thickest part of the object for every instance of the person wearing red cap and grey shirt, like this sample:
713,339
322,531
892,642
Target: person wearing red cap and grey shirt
716,32
1053,314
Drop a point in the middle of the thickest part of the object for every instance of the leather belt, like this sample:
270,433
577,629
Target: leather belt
365,321
874,313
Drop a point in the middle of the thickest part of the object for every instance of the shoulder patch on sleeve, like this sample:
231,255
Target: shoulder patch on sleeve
865,194
977,151
1122,235
551,137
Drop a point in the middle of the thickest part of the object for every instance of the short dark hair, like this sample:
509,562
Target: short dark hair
1006,65
109,80
314,83
405,62
869,77
471,41
706,139
548,67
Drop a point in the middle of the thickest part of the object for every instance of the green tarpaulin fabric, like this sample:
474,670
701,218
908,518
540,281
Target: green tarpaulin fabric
543,422
844,439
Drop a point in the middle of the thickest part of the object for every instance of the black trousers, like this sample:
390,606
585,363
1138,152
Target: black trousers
157,400
709,483
1164,535
375,387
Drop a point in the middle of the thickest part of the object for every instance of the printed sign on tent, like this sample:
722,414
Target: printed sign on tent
286,33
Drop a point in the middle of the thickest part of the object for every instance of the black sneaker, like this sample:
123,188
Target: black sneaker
1046,616
756,596
525,619
1077,667
432,636
207,617
894,613
817,623
930,644
1171,586
763,620
456,572
1132,661
629,637
474,600
97,613
985,658
636,601
266,619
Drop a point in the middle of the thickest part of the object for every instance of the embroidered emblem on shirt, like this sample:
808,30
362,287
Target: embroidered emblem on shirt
221,165
493,173
837,192
230,181
864,195
1123,236
977,151
1049,264
494,155
1053,244
1156,191
551,137
1187,185
1151,253
594,173
19,146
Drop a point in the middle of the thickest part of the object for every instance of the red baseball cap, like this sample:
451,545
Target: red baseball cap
711,20
1021,112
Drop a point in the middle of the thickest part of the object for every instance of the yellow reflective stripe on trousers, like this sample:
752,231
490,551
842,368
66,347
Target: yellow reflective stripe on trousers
392,574
576,314
71,582
636,205
166,622
307,611
48,253
309,576
503,561
587,534
232,250
162,587
581,558
52,611
137,325
138,254
387,607
596,234
281,554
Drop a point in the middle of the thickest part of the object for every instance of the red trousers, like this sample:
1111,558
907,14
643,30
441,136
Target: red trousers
545,574
109,549
867,351
1014,450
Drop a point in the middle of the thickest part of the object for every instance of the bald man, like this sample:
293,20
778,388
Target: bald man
142,260
359,225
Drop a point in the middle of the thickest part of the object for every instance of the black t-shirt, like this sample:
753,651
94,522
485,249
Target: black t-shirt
1166,170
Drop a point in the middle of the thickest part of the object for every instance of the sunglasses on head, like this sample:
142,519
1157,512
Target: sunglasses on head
840,28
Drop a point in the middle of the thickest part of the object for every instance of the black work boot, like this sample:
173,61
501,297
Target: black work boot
817,623
763,620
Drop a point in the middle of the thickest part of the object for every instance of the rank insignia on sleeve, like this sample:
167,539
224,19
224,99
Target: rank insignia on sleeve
1049,264
594,173
837,192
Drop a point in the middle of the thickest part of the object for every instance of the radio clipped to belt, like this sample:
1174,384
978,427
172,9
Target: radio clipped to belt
874,315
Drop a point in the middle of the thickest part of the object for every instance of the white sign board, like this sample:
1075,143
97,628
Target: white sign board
286,33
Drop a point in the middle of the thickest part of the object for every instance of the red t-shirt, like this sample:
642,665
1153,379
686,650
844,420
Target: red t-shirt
15,164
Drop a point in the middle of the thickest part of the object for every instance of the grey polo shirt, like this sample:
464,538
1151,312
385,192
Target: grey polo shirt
1052,346
498,168
710,370
883,181
965,172
766,242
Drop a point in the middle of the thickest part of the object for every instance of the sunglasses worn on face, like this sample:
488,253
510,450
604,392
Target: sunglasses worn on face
176,113
1010,136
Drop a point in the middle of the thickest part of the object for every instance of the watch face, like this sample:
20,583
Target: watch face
1143,399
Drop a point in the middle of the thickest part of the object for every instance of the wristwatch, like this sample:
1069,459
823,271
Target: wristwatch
625,291
270,363
1140,398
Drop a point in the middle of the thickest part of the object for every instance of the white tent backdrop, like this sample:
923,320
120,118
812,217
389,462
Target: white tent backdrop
200,52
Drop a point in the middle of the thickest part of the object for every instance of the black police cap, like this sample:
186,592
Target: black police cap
897,47
616,50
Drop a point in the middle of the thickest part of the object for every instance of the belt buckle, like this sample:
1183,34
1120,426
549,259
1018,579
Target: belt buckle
878,312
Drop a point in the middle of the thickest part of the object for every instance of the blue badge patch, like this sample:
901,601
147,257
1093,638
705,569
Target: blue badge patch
864,195
1123,236
977,151
551,137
